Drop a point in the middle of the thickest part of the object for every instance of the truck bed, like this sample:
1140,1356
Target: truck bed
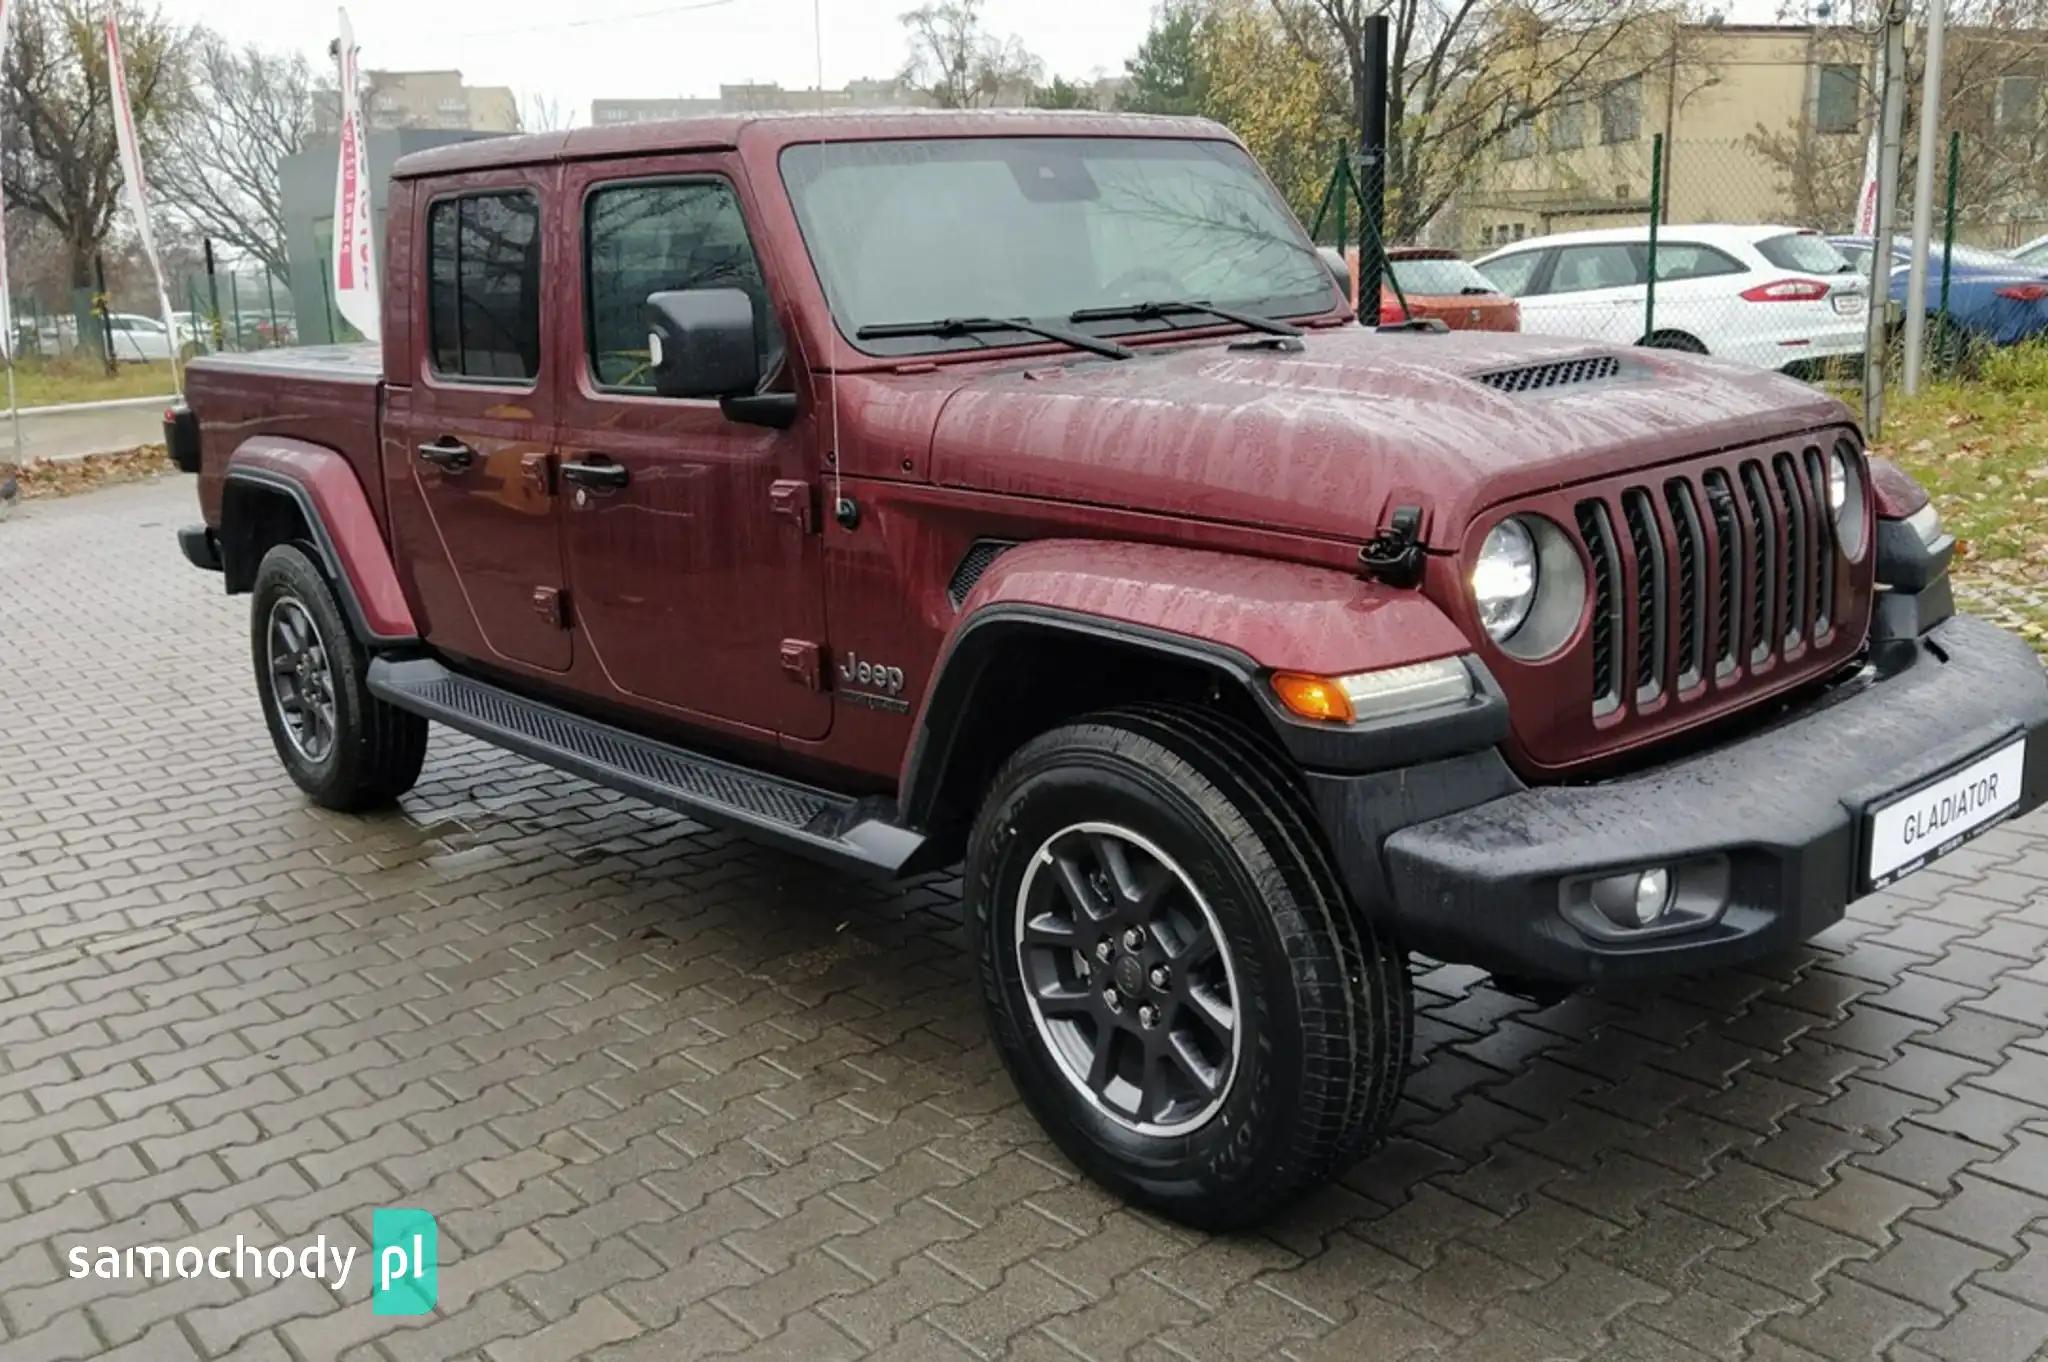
328,395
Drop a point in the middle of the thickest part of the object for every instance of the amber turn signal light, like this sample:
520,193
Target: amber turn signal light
1313,697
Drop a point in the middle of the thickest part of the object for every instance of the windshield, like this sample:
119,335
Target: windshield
2035,255
1443,278
1804,252
1042,227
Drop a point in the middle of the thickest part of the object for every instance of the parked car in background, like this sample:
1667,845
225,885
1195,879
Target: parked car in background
1993,299
138,339
1444,286
1770,297
1439,284
2034,254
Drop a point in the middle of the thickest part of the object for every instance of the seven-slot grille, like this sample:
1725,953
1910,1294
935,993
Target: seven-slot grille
1708,572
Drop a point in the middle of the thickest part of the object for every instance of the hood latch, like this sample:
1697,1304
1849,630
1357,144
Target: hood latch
1394,555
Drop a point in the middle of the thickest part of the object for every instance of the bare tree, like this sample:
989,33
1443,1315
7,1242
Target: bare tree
544,113
959,65
58,156
247,111
1465,74
1993,85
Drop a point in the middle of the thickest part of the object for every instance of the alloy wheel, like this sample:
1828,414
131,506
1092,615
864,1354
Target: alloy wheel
301,679
1129,980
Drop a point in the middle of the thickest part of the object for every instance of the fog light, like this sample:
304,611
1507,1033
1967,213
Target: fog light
1636,899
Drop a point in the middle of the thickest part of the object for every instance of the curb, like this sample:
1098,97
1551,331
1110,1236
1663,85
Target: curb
109,404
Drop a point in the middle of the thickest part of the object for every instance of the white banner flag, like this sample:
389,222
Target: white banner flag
355,256
6,294
1866,193
1866,200
132,182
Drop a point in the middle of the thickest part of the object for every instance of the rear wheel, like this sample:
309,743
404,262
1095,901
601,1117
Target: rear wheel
343,746
1677,340
1173,977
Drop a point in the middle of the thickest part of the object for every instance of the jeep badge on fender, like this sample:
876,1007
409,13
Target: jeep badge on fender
1236,650
855,671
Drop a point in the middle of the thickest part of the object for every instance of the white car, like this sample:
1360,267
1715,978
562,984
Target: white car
138,339
1770,297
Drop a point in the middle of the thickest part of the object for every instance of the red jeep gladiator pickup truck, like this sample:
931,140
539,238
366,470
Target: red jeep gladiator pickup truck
1016,490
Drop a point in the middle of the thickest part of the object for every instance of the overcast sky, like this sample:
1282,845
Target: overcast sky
583,49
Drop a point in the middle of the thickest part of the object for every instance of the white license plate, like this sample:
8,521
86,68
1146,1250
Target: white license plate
1939,817
1849,304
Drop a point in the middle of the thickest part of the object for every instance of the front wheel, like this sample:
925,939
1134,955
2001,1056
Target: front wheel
342,745
1173,976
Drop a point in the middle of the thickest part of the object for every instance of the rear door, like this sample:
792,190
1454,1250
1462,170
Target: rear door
695,567
1699,290
1594,292
476,431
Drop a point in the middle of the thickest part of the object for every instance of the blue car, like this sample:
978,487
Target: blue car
1993,299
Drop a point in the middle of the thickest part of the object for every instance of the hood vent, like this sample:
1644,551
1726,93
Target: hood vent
1557,374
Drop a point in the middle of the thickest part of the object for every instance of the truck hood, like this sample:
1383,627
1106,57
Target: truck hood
1325,441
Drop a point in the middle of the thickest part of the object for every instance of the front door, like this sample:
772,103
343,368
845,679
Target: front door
478,426
695,570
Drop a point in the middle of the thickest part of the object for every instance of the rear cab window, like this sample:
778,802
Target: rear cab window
484,286
1803,252
658,237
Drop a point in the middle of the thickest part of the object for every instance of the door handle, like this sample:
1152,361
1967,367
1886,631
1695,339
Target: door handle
596,471
449,453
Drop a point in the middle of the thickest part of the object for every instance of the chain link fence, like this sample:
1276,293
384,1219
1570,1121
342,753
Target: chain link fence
1721,248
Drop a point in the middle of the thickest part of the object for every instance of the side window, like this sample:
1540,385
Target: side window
652,238
483,300
1581,268
1511,273
1680,261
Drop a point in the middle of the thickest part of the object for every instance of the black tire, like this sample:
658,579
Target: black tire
371,752
1318,994
1678,341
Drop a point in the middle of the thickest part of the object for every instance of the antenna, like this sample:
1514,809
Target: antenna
831,322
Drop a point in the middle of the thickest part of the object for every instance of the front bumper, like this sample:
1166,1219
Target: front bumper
1777,816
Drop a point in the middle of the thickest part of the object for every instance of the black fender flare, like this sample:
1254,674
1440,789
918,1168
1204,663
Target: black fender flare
965,674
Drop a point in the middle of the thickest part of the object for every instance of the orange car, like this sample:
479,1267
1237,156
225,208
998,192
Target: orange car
1438,284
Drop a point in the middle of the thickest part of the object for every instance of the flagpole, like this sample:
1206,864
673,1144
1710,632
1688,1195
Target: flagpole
136,189
13,408
11,338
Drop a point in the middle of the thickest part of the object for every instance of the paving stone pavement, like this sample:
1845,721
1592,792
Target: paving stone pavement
672,1094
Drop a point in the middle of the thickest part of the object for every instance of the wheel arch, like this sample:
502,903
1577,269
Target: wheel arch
279,491
978,712
1057,629
1676,339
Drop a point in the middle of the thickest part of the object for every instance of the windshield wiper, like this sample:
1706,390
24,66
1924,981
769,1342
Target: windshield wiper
948,327
1159,312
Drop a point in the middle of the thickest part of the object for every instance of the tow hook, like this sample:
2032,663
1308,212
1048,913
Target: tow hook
1395,554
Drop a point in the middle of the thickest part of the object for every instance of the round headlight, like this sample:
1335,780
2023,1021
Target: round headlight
1838,483
1504,579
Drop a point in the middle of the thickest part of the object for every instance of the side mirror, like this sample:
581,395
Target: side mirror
701,343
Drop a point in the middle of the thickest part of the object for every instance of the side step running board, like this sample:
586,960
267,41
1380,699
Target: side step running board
820,823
